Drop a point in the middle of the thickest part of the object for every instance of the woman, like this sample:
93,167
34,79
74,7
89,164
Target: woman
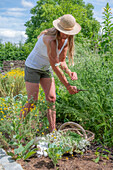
50,50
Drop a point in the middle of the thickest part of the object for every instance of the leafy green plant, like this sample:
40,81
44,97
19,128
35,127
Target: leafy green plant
55,153
9,51
107,33
12,80
24,152
93,108
60,142
101,155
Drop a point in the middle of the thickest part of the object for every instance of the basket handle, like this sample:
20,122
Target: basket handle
76,125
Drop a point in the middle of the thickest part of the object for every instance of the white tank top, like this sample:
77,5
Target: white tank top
38,58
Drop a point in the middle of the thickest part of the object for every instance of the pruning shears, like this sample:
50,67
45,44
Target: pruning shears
81,90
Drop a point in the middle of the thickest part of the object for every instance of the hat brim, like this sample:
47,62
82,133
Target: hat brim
76,29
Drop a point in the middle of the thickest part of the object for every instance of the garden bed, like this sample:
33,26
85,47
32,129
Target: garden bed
69,162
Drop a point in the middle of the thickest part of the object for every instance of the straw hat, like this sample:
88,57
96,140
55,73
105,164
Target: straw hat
67,25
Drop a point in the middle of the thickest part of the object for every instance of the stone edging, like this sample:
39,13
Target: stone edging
7,163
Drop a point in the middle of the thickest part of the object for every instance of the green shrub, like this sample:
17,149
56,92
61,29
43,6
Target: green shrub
93,109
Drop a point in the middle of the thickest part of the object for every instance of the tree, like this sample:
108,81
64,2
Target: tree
47,10
89,8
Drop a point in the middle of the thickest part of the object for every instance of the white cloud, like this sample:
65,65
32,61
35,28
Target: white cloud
12,35
12,29
27,4
11,22
99,2
16,9
13,13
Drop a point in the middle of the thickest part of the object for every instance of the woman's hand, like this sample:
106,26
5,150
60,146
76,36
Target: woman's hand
73,76
72,89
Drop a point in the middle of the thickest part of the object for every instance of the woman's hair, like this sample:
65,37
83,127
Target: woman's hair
56,34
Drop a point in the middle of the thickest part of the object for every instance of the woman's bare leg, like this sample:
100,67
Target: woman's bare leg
32,93
48,86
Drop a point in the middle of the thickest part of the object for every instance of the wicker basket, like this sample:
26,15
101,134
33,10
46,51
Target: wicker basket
75,127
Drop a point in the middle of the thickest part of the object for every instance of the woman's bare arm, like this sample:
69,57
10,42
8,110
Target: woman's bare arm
53,60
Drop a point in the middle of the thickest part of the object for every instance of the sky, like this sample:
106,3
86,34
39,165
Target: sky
15,13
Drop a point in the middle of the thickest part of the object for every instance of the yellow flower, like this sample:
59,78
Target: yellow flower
53,132
2,119
72,154
42,133
31,109
67,151
47,127
19,118
37,129
67,158
54,137
4,116
35,115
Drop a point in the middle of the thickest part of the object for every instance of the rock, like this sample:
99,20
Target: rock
7,163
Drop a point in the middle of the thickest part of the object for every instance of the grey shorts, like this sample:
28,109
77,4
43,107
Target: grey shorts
34,75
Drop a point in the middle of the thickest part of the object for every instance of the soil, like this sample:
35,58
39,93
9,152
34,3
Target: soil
69,162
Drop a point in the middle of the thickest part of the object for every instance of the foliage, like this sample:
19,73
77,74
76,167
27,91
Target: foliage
101,154
60,143
12,82
23,152
19,133
93,109
9,51
107,33
46,11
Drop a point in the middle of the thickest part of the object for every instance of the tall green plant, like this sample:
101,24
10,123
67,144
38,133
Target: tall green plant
107,32
93,109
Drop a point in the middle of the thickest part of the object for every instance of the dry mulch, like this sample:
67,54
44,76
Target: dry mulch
77,162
